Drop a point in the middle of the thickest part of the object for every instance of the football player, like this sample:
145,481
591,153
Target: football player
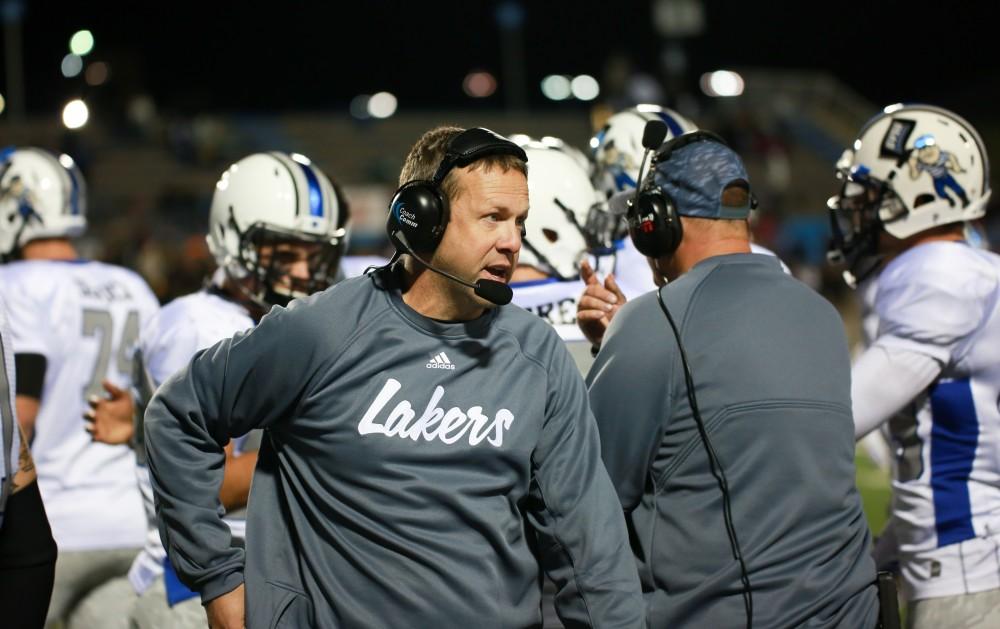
74,324
27,550
933,371
277,229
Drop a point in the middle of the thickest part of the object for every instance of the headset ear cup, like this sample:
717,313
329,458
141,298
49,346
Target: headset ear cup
420,211
654,226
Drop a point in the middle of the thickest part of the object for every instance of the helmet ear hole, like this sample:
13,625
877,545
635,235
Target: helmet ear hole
550,234
923,199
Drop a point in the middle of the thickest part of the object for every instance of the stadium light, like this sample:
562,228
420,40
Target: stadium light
382,105
81,43
479,84
75,114
585,87
3,104
359,106
556,87
97,73
722,83
71,65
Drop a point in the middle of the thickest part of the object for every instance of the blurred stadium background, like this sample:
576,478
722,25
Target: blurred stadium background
154,100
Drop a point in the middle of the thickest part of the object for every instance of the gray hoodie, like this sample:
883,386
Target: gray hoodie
413,472
771,372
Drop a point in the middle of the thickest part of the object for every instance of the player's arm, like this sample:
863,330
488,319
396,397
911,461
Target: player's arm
912,163
953,164
250,381
237,477
583,541
884,379
26,473
109,418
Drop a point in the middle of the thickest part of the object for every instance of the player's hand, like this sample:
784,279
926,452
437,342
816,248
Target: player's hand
227,611
598,304
109,419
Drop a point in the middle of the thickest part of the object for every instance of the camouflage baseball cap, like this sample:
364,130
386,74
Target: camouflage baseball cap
695,176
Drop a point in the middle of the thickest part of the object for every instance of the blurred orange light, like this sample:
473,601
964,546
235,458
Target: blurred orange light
97,74
479,84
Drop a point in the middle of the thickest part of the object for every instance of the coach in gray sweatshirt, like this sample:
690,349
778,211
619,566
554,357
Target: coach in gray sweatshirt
425,452
770,375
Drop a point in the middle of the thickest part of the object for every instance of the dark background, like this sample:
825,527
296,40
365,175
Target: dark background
282,56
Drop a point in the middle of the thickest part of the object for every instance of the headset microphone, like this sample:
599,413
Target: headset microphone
492,291
653,135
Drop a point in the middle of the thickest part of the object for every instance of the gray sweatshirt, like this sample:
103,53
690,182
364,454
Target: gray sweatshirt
413,472
772,376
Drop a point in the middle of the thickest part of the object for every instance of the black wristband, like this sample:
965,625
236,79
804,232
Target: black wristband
30,374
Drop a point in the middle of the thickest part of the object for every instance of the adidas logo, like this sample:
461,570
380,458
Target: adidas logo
440,362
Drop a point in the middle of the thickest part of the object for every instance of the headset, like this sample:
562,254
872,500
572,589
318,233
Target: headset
655,228
419,211
653,220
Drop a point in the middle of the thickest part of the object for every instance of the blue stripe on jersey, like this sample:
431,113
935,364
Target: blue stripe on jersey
176,591
954,437
315,192
675,128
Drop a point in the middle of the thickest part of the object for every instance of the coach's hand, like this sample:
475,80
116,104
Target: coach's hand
109,419
227,611
598,304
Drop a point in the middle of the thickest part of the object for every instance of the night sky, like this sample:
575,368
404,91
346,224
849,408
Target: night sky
288,56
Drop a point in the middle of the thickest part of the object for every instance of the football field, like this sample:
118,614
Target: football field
873,484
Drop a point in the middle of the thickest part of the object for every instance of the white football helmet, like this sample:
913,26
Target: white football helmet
911,168
271,198
562,201
617,148
41,196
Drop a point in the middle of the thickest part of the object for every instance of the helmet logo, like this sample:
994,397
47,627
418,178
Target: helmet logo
928,157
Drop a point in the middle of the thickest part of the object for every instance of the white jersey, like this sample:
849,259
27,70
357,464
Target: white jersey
166,345
942,300
554,301
84,318
631,270
10,436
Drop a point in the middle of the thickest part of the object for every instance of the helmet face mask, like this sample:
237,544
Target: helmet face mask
278,227
856,226
283,265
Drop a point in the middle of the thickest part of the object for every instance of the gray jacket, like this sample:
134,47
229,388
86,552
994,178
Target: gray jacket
772,376
413,473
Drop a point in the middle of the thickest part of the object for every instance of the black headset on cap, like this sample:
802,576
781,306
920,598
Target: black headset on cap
419,212
654,222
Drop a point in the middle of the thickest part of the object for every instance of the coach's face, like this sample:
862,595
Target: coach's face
483,237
